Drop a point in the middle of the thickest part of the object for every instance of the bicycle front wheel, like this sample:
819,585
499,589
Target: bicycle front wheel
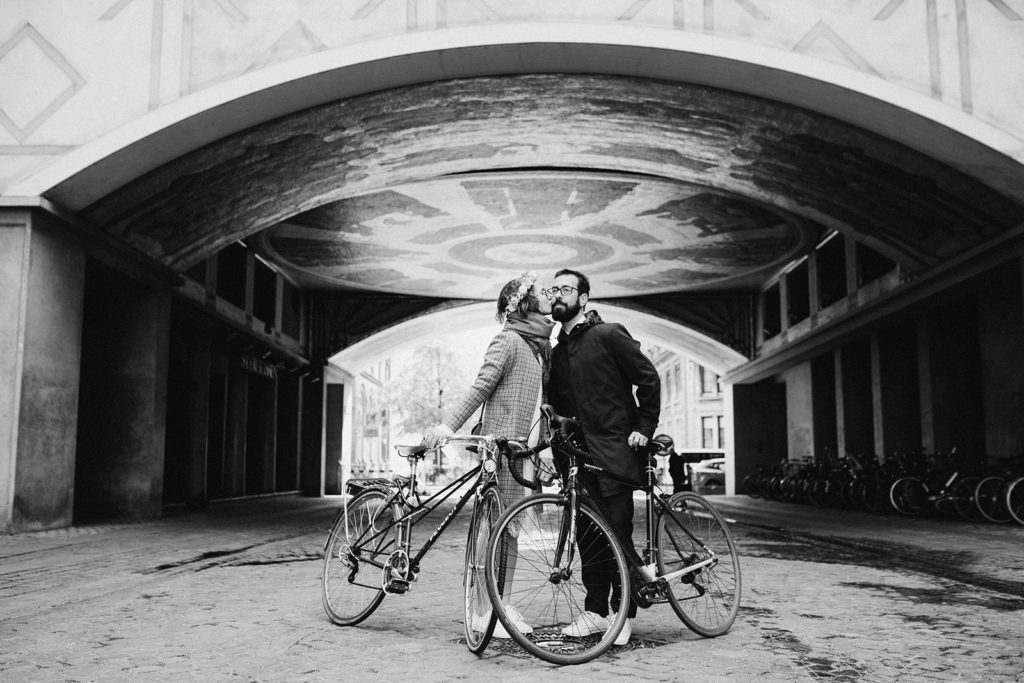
691,532
359,543
1015,500
480,618
989,498
535,574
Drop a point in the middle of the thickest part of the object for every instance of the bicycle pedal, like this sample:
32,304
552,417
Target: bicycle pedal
398,586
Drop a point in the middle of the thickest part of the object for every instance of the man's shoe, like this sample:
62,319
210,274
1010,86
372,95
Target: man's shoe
625,633
587,624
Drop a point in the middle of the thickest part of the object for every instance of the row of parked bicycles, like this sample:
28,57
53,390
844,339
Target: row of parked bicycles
910,483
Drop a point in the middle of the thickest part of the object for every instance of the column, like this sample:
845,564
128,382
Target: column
41,284
122,421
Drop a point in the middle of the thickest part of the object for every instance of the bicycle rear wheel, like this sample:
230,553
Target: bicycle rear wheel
480,618
535,577
991,501
707,599
359,543
909,495
1015,500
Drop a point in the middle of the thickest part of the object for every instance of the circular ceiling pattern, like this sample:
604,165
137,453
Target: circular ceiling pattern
464,236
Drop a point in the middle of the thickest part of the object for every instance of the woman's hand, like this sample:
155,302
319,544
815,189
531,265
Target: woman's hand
435,434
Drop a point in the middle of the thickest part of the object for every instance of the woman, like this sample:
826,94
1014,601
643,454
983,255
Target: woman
510,385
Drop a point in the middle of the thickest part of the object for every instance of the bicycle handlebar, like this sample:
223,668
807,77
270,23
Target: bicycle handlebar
517,450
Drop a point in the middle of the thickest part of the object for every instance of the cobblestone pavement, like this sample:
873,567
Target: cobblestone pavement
233,594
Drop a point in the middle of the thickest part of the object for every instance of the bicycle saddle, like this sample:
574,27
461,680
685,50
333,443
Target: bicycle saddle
416,452
565,426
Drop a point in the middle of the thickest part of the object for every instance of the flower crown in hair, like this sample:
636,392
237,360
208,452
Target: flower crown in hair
526,281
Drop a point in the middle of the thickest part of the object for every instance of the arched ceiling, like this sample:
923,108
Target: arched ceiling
450,188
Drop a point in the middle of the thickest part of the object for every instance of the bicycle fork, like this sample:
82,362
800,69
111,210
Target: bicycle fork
566,533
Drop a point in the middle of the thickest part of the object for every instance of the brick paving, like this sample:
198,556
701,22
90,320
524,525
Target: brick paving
232,594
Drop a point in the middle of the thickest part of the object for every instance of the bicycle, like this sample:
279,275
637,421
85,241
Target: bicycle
546,539
368,553
1015,499
953,495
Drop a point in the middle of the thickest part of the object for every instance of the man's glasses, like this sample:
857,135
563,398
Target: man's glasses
564,290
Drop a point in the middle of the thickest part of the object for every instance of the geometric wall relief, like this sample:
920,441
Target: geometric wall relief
35,81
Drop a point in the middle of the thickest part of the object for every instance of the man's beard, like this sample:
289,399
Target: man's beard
562,312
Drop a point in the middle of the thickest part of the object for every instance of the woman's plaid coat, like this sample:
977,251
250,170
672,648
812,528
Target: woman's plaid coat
507,385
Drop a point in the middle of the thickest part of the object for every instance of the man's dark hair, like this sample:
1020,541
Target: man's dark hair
582,280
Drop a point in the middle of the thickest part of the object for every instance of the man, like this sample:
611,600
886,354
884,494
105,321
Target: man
677,467
594,369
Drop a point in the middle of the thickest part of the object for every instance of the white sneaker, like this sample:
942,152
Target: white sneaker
587,624
478,622
517,620
625,633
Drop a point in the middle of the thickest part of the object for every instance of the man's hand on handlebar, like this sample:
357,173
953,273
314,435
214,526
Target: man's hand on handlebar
637,440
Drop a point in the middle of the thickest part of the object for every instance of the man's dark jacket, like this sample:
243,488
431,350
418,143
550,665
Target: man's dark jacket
593,371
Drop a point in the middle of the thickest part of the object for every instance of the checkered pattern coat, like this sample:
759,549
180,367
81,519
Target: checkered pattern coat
507,385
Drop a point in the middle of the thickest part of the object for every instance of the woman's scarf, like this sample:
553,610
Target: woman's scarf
535,330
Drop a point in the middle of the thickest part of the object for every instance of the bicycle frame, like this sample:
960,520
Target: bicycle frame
413,512
645,565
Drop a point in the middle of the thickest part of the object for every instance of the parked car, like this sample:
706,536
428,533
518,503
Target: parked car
708,476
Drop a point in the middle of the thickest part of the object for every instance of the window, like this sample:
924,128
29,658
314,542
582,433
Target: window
708,382
721,431
798,294
831,271
707,425
871,265
771,312
291,310
232,274
264,294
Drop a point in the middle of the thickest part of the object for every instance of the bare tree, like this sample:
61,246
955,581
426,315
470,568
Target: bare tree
426,388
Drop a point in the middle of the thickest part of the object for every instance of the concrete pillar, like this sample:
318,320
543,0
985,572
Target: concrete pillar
854,369
954,365
823,387
235,433
897,399
924,384
312,464
799,411
41,284
333,437
1001,335
760,436
122,418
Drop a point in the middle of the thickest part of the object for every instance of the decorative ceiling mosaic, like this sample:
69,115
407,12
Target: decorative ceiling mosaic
464,236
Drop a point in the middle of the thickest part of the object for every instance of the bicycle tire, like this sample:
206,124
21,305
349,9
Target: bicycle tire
351,588
875,495
1015,500
479,617
991,501
817,493
963,499
908,495
708,599
528,534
